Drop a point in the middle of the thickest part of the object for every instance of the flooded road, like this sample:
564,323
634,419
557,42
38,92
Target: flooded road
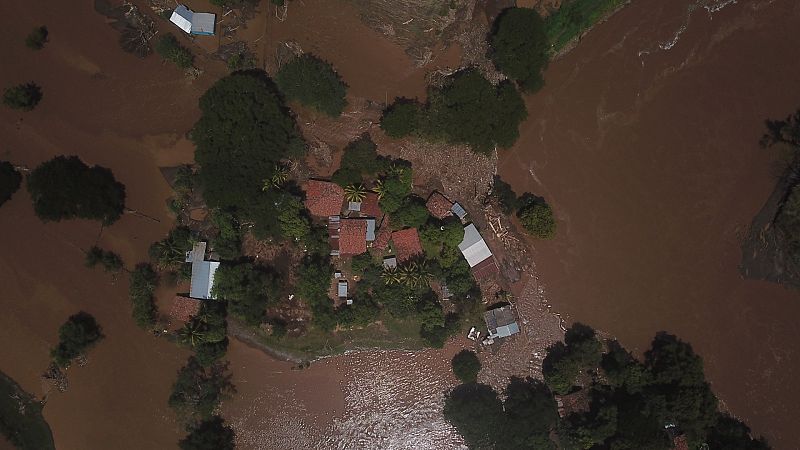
645,141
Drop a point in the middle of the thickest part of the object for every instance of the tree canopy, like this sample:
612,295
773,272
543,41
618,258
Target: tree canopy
247,288
10,180
75,336
171,50
477,413
313,82
466,109
37,38
360,160
198,390
23,96
242,135
536,216
66,188
141,293
519,46
580,351
466,366
211,434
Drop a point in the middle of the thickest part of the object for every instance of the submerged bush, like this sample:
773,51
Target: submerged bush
520,47
313,82
24,96
78,334
37,38
536,216
170,49
10,180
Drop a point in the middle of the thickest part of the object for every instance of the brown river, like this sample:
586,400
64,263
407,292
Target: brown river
644,140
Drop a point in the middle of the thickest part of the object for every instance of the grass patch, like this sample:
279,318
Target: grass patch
574,17
21,420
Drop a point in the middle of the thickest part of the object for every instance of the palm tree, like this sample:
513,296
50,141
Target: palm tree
408,274
278,179
191,333
390,275
166,253
379,189
355,192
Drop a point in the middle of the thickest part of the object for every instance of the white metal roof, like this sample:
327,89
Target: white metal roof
473,247
182,17
203,279
203,23
342,289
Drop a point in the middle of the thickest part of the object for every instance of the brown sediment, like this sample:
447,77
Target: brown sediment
645,141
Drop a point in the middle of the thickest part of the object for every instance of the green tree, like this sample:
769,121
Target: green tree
564,362
505,195
66,188
198,390
587,429
412,213
401,118
76,335
10,180
23,96
110,261
313,82
531,414
170,252
247,288
730,433
243,134
37,38
171,50
623,370
211,434
395,188
477,413
466,366
228,243
144,281
294,224
536,216
519,47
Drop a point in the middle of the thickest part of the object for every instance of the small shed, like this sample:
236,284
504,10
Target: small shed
501,322
342,289
390,262
354,206
182,17
473,247
370,230
459,211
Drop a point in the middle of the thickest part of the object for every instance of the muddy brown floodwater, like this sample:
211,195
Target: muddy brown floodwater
645,141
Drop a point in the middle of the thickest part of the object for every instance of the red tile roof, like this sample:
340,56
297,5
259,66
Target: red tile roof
370,207
406,244
183,308
680,442
485,268
439,206
353,237
384,235
323,198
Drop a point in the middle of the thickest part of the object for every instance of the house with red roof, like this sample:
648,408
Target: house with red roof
406,244
184,308
370,206
439,206
352,236
323,198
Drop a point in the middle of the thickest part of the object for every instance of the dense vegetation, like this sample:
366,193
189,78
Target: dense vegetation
198,390
171,50
10,180
466,366
360,160
110,261
144,281
211,434
207,333
37,38
76,335
519,47
23,96
467,109
574,17
66,188
242,136
170,252
536,216
247,288
313,82
21,419
617,401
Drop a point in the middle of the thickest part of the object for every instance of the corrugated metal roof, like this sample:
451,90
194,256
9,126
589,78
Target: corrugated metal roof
354,206
507,330
459,210
342,289
473,247
203,23
370,230
182,17
203,279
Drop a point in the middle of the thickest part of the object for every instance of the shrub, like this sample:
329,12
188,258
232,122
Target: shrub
466,366
536,216
248,290
520,47
198,390
171,50
24,96
314,83
10,180
78,334
170,252
141,293
412,213
37,38
110,261
66,188
401,118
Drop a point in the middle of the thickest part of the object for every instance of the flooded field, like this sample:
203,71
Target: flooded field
645,141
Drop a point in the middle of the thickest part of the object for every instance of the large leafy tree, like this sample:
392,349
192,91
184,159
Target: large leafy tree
564,362
519,46
23,96
247,288
211,434
75,336
536,216
242,135
198,390
466,366
531,414
66,188
314,83
10,180
477,413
